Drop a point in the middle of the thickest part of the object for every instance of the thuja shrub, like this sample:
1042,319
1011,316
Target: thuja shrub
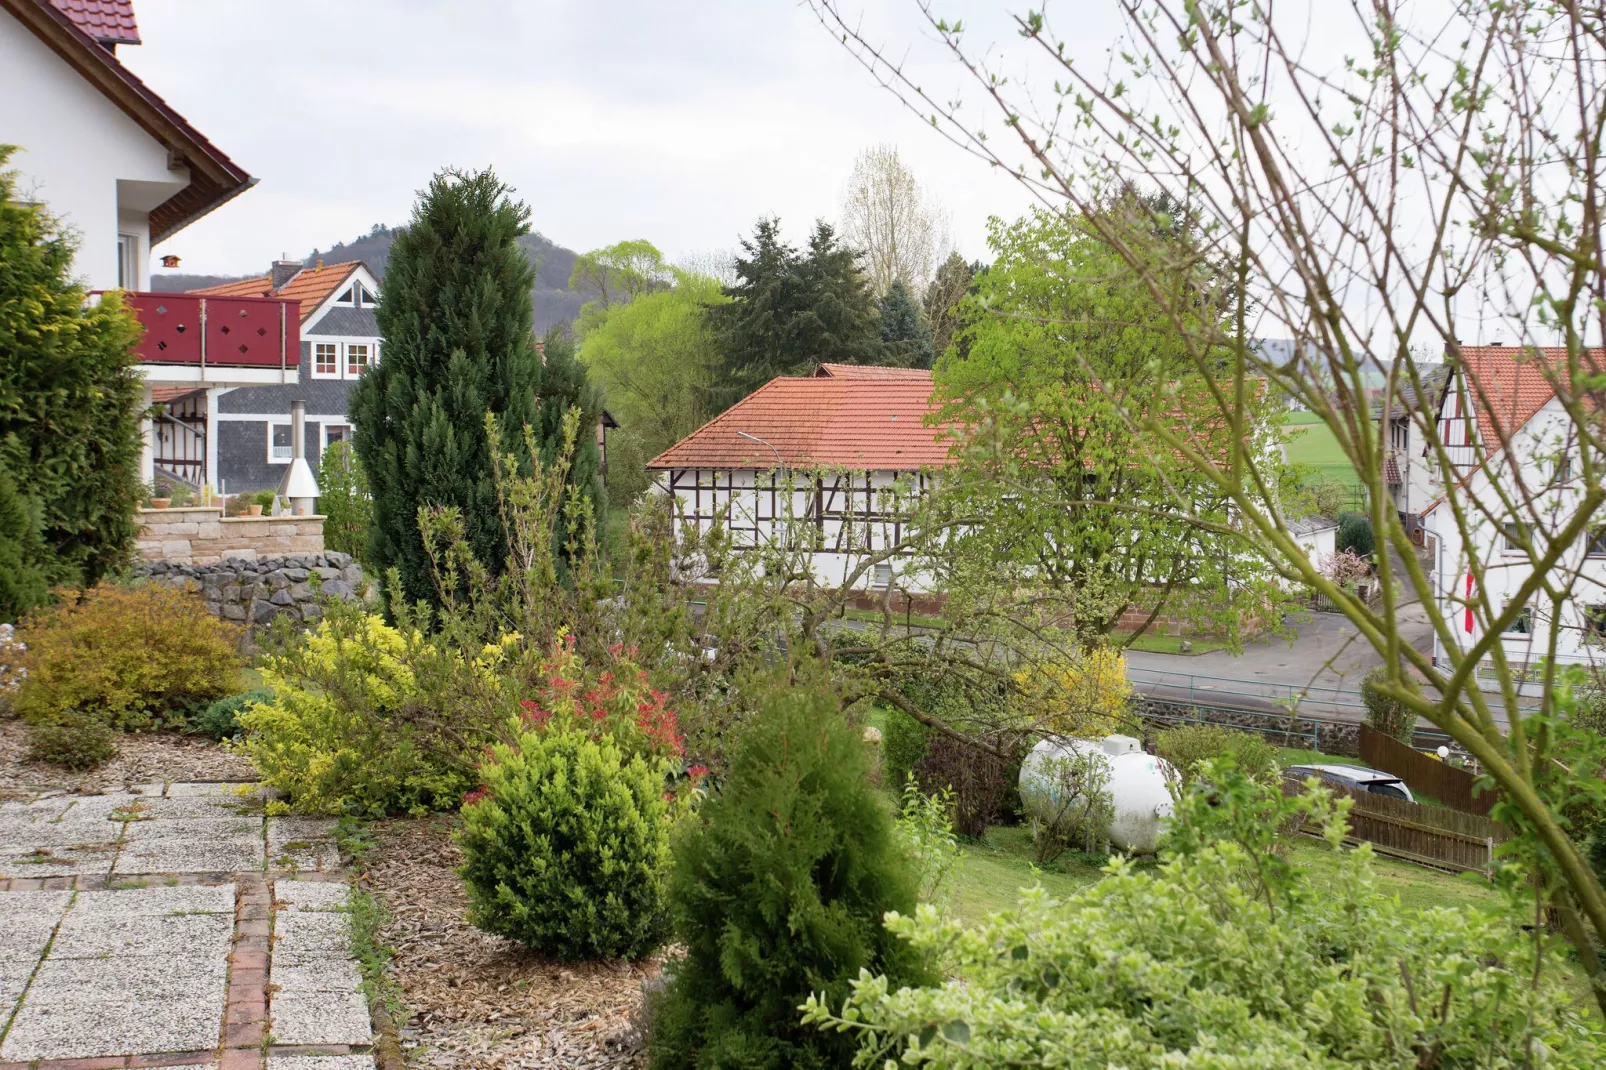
1384,712
566,845
137,657
778,891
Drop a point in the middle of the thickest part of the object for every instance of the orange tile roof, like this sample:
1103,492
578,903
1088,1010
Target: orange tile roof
310,286
172,393
1509,384
869,371
861,423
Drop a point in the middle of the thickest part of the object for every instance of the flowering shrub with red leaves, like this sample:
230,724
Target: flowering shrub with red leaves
618,700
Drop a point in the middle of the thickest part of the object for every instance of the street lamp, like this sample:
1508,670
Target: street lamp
781,475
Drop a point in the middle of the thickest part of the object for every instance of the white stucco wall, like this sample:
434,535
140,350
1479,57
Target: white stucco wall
81,155
1531,460
744,497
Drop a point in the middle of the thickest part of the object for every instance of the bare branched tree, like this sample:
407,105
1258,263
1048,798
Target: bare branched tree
902,229
1440,183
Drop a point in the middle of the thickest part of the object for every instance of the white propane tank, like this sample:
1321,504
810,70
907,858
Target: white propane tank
1141,800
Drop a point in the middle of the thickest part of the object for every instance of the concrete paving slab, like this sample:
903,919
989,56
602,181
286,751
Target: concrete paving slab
53,806
235,828
302,843
331,974
210,806
136,978
299,936
302,895
83,1029
320,1018
181,856
320,1062
105,807
21,833
24,904
156,901
88,861
190,789
14,974
180,939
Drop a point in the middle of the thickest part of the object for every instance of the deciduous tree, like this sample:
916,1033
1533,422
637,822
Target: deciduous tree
900,227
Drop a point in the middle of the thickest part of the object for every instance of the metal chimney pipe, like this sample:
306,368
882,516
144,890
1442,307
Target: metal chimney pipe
298,425
298,485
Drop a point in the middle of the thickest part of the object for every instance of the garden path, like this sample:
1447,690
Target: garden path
174,925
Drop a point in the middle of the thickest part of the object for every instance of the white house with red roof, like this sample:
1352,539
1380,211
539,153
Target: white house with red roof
1506,432
824,451
125,171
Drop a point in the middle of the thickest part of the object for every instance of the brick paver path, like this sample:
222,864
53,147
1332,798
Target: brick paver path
174,926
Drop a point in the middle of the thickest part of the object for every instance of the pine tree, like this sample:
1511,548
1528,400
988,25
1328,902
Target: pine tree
70,401
792,311
904,329
457,322
779,892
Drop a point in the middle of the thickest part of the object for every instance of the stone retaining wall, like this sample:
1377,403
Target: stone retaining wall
202,535
254,592
1278,729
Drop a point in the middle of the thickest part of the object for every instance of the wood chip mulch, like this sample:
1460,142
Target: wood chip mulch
141,759
479,1002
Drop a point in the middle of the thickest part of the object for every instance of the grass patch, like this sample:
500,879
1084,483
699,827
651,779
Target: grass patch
1295,756
1155,643
367,916
1315,445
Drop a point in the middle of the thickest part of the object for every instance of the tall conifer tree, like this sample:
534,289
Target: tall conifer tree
904,329
457,321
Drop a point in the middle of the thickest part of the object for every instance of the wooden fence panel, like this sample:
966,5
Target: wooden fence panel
1431,835
1446,783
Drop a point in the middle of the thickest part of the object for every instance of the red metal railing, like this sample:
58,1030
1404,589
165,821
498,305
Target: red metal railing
232,332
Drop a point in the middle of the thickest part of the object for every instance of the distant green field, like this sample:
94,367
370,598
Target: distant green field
1301,416
1314,444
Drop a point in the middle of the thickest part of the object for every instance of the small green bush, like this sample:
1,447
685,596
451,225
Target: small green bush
1185,747
779,891
221,719
135,656
1355,534
75,740
1388,715
903,744
566,847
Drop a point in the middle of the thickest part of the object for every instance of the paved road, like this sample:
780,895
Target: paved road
174,926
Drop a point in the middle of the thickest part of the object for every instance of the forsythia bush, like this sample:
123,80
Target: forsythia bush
355,721
1224,956
567,845
1084,696
134,657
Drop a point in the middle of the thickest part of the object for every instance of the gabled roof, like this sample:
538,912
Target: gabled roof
1509,384
861,423
214,178
869,371
311,286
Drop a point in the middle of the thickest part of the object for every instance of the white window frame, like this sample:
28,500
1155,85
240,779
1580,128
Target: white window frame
127,261
334,347
277,460
323,433
368,349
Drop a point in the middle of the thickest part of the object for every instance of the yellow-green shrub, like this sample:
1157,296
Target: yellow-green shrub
1084,695
367,719
133,656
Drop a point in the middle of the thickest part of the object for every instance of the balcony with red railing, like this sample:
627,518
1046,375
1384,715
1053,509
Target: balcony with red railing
217,341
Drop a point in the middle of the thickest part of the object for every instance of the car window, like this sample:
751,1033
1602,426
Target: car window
1391,788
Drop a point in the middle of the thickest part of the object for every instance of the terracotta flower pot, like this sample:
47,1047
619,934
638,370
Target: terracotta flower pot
161,503
253,510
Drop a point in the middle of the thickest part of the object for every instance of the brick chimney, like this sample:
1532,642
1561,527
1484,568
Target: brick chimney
283,271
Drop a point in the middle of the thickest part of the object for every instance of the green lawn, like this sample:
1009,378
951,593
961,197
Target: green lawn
1315,445
1295,756
1155,643
1300,417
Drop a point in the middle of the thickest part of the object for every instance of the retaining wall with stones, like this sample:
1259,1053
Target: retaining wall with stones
1278,729
202,535
255,592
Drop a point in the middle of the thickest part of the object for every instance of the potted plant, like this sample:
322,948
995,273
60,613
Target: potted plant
160,503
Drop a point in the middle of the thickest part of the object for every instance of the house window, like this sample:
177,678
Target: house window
1594,623
1564,468
336,433
1597,543
127,261
1522,623
356,360
881,576
325,358
1515,535
349,297
281,448
362,297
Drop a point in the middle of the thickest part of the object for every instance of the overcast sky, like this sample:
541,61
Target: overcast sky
680,123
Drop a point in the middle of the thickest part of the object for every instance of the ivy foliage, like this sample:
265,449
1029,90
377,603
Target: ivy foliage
70,406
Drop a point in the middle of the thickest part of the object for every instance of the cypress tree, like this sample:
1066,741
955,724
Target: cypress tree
904,329
778,892
457,322
565,385
70,407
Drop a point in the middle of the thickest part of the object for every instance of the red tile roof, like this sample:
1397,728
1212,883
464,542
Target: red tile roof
107,21
869,371
310,286
861,423
1509,384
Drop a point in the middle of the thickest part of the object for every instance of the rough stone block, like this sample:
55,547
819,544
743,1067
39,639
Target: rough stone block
282,597
172,548
233,612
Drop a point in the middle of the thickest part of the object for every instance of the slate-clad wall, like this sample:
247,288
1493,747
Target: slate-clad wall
242,455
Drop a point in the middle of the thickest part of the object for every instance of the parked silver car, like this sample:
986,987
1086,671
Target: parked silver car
1356,778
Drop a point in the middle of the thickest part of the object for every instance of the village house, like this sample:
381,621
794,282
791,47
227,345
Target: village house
1411,475
1504,428
125,171
816,454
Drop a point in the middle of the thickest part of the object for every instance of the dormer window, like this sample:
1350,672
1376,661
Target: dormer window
349,297
357,296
